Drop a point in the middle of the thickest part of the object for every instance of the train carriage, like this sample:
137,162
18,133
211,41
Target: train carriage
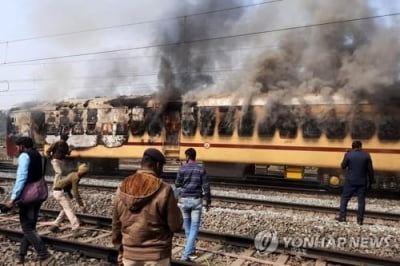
300,139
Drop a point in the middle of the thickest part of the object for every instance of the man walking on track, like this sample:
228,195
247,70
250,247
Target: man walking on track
360,176
145,215
57,153
192,181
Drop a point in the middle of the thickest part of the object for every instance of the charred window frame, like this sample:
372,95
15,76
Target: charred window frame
389,128
286,123
311,129
362,128
226,123
207,121
247,122
153,122
189,120
91,128
266,128
52,127
137,123
65,123
336,128
77,126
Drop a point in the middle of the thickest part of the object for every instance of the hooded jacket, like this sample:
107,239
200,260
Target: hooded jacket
145,216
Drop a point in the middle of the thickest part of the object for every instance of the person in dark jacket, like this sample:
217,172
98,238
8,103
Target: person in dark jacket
360,176
192,182
29,170
57,153
145,215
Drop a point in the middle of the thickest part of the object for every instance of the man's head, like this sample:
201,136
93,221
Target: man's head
83,169
24,143
153,159
356,144
190,154
64,137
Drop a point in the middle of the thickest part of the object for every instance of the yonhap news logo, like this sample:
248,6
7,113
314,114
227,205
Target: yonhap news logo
266,241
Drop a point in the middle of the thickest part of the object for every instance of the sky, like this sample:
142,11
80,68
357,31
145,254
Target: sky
55,50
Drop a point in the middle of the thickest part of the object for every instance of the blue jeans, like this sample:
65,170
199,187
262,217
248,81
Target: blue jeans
28,215
191,212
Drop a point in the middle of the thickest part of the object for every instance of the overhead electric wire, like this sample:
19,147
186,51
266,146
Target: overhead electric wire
137,23
203,40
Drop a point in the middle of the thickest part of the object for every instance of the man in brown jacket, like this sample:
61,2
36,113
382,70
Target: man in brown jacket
62,193
145,215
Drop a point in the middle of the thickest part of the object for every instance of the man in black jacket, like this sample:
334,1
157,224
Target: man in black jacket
360,176
29,170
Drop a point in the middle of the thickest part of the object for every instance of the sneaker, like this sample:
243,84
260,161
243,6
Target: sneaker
340,219
46,261
54,228
193,257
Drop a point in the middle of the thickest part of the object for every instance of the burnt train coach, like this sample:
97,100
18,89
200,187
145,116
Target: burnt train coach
297,139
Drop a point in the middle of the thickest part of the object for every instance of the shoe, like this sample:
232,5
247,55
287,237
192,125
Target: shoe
54,228
193,257
340,219
360,221
46,261
19,259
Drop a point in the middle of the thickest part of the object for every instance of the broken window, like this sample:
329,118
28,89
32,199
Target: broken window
189,120
336,128
311,129
389,128
64,122
362,128
52,124
246,123
266,128
226,123
137,124
286,124
153,122
91,122
207,121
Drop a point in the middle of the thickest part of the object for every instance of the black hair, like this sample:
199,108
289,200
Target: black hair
27,142
64,137
356,144
191,153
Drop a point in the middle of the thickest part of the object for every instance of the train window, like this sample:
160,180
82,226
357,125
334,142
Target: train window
137,124
91,116
153,122
121,129
51,124
389,129
362,128
266,128
246,123
311,129
207,121
91,129
287,125
226,123
336,128
77,129
189,120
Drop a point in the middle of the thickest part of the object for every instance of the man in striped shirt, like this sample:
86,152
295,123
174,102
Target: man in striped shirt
192,182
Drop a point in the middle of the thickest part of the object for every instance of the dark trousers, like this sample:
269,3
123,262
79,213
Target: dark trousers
348,192
28,216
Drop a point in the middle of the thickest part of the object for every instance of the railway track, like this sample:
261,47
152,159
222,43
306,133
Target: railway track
217,246
266,203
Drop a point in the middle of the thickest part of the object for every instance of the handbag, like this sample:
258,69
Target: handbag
34,192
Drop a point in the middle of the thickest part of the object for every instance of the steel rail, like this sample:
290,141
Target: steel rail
334,256
304,207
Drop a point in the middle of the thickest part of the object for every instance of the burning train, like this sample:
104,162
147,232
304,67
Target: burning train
301,139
